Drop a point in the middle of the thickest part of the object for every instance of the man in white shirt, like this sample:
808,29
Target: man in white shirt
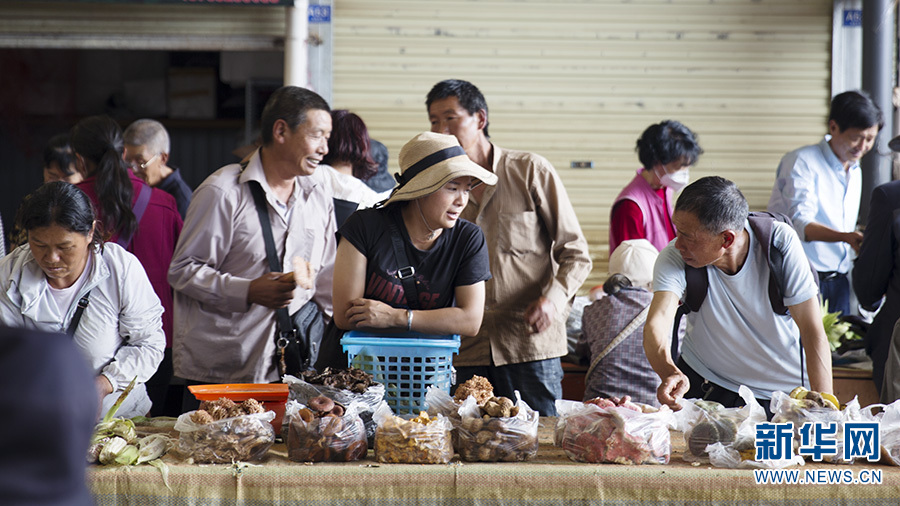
819,188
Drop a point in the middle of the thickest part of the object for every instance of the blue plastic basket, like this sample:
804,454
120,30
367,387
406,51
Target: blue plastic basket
406,364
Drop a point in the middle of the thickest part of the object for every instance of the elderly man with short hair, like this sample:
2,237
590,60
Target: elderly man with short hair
147,151
735,338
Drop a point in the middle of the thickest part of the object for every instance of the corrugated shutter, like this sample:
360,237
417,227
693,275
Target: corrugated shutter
78,25
580,80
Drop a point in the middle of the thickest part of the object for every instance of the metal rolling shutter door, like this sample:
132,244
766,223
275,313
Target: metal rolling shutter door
581,80
78,25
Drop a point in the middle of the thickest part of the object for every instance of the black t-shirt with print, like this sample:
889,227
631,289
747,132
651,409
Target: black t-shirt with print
459,258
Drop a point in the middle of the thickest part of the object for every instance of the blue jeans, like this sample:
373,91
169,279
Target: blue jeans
835,288
539,382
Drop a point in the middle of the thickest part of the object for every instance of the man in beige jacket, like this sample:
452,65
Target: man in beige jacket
538,255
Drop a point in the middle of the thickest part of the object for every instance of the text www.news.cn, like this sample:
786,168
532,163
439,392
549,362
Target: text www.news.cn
817,476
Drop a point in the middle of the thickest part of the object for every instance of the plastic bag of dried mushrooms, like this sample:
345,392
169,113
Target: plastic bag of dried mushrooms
221,432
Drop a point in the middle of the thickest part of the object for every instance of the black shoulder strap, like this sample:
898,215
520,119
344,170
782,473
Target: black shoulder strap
762,224
697,285
76,318
282,317
406,273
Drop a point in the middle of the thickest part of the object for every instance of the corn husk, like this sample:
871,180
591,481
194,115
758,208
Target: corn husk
152,447
115,441
112,449
163,469
96,447
115,407
120,427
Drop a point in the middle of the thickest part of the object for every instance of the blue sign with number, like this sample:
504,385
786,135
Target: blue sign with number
852,17
319,13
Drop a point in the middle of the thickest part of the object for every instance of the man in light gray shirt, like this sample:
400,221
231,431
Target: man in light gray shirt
735,337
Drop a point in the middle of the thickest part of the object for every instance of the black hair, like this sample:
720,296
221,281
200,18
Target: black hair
717,203
289,103
60,152
469,96
57,203
667,142
855,109
615,283
99,139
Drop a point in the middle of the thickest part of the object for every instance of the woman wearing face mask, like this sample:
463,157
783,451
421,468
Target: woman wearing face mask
448,255
643,210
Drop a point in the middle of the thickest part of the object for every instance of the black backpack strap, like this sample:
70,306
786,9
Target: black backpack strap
762,223
673,348
76,318
407,272
282,317
697,285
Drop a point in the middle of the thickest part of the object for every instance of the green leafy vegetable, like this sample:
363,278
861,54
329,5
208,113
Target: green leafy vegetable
836,330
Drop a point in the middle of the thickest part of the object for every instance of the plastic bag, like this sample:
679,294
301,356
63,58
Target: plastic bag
440,402
889,430
326,439
705,423
495,439
412,441
786,409
588,433
302,391
726,456
241,438
741,453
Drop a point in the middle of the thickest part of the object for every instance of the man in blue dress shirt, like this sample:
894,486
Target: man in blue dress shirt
819,188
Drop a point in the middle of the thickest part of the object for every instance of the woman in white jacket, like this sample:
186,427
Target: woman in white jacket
64,265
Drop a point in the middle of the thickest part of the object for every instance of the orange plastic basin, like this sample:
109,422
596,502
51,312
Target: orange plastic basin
273,396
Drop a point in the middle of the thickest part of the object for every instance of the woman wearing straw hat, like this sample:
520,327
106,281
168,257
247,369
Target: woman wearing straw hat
416,243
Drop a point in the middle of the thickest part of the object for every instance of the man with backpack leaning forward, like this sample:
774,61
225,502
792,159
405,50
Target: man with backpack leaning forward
737,334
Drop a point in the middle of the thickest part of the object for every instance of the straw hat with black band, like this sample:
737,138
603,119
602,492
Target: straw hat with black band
428,162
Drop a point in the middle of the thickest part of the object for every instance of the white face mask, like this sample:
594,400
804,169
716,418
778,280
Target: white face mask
677,180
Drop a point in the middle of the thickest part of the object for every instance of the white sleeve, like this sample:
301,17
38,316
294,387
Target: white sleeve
800,198
140,325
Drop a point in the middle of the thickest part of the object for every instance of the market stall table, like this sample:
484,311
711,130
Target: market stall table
549,479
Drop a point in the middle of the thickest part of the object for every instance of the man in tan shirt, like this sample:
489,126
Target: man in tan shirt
538,255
